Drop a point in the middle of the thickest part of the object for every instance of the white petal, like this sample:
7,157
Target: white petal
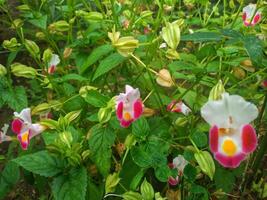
185,109
25,115
128,89
249,10
36,129
54,60
179,163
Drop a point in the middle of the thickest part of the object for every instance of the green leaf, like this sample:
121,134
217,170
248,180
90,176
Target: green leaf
130,195
69,77
96,54
202,37
162,173
96,99
108,64
100,142
200,192
141,128
39,22
40,163
254,49
190,172
16,98
11,173
70,186
200,139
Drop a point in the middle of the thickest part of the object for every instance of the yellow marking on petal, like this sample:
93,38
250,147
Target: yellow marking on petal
127,116
229,147
226,131
25,136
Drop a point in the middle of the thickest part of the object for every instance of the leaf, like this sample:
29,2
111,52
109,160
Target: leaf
162,173
108,64
254,49
96,54
11,173
130,195
200,139
70,186
96,99
40,163
202,37
140,128
200,191
68,77
16,98
190,172
39,22
100,142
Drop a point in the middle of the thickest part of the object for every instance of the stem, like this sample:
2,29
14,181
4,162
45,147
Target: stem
237,14
112,195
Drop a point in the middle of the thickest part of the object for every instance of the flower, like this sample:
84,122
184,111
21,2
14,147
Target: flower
129,106
23,127
3,136
52,64
231,137
164,78
264,83
178,107
248,13
178,163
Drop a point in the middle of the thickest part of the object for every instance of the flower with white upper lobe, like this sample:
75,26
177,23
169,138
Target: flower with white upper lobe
129,106
3,136
178,163
248,13
52,64
23,127
231,137
178,107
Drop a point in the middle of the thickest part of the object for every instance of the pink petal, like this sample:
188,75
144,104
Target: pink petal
257,18
119,111
52,69
264,83
244,16
16,125
175,106
214,138
24,144
230,162
138,109
249,139
125,123
173,181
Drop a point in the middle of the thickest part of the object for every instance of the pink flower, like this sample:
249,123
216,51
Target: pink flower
248,13
264,84
179,107
23,127
129,106
54,61
178,163
231,136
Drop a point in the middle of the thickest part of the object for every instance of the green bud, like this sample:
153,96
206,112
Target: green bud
47,55
23,7
72,115
111,182
147,190
89,16
33,49
41,108
21,70
40,35
59,26
137,179
17,23
85,89
104,115
146,13
217,91
66,138
11,45
129,141
181,121
2,70
132,196
205,162
171,35
159,197
172,54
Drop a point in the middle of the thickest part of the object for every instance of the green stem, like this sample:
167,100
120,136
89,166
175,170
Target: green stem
237,14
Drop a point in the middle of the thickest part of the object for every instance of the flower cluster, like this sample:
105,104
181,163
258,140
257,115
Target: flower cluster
178,163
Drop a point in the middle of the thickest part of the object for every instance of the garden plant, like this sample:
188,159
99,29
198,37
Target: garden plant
133,99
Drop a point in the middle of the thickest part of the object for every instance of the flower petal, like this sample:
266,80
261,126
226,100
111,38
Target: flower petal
214,139
24,139
16,125
25,115
137,109
249,139
36,129
257,18
119,111
230,162
125,123
173,181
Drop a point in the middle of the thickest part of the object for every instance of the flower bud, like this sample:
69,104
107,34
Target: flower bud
181,121
247,65
148,112
40,35
21,70
11,45
59,26
217,91
67,52
159,197
2,70
132,196
164,78
84,90
147,190
41,108
172,54
66,138
33,49
111,182
17,23
264,84
104,114
47,55
205,162
239,73
129,141
171,35
89,16
23,7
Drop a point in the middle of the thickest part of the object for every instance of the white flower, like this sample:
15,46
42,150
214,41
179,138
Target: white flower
52,64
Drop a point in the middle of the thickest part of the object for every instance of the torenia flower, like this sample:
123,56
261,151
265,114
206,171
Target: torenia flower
23,127
231,136
129,106
52,64
3,136
178,107
248,13
264,84
178,163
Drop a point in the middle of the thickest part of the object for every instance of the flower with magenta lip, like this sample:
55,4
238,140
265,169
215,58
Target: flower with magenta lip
23,127
129,106
231,137
248,13
178,107
54,61
178,163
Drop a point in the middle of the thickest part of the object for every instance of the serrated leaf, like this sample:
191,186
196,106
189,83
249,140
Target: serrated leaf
200,139
108,64
140,128
190,172
162,173
96,99
96,54
202,37
16,98
39,22
11,173
254,49
70,186
40,163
